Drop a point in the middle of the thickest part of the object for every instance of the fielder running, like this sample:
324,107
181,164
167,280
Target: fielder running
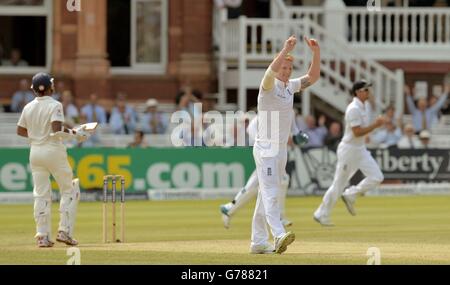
250,189
275,103
39,120
352,155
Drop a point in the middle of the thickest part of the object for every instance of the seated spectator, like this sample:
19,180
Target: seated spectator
390,115
423,116
334,136
316,133
15,59
139,141
299,120
60,88
154,122
21,97
409,140
388,136
93,111
236,134
123,117
71,114
189,133
425,137
94,139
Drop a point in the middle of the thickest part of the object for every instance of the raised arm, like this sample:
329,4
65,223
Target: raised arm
440,103
314,70
269,77
409,101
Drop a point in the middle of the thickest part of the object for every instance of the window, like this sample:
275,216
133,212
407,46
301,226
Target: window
25,36
137,36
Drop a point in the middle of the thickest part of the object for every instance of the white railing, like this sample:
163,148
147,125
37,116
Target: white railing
342,65
405,26
394,33
254,42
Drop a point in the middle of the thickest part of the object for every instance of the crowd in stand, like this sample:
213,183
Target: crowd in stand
123,119
425,114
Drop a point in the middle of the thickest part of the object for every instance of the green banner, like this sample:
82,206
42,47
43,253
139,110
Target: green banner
143,169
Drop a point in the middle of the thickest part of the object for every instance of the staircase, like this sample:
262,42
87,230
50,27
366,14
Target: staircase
249,45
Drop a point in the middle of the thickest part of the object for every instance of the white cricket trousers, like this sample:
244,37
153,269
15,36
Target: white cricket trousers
349,159
270,170
250,191
46,160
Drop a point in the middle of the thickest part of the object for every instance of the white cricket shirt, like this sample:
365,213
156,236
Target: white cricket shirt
37,118
356,114
278,101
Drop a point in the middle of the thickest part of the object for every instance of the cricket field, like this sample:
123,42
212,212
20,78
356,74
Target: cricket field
406,230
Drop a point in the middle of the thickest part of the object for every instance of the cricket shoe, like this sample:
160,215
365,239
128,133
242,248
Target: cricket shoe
65,238
224,209
281,243
262,249
324,221
44,242
349,201
286,223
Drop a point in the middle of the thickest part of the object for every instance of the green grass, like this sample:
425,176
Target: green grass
407,230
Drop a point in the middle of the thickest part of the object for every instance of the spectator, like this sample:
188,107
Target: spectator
21,97
409,140
93,111
71,114
123,117
388,136
425,137
191,134
436,115
422,115
334,136
60,88
186,100
94,139
139,141
16,59
154,122
300,121
316,134
237,135
390,115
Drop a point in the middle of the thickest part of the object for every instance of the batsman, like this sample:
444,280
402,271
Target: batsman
42,122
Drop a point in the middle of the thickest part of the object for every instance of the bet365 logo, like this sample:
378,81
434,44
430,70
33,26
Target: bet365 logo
74,5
